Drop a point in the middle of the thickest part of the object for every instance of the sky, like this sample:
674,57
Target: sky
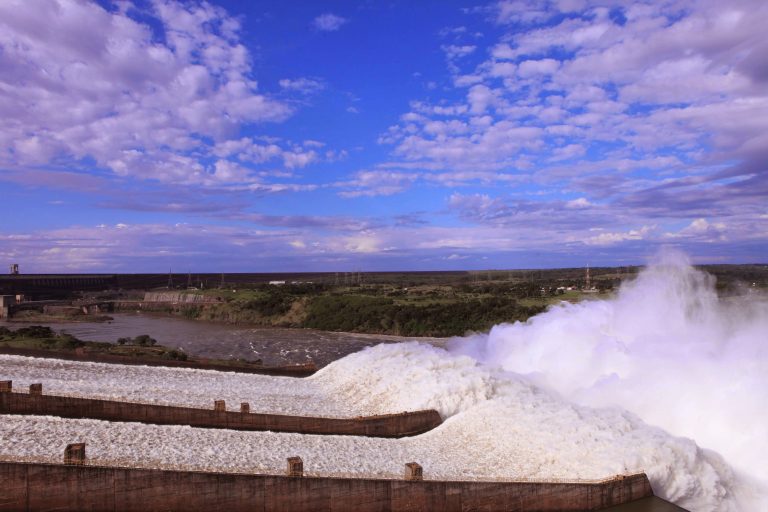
229,136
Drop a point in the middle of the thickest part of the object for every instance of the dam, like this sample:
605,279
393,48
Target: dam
120,463
78,486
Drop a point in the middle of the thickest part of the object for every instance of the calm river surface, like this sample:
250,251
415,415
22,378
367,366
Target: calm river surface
273,346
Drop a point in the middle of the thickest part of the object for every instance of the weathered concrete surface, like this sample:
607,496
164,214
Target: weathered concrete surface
180,297
389,425
32,487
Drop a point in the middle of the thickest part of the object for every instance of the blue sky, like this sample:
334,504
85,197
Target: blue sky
275,136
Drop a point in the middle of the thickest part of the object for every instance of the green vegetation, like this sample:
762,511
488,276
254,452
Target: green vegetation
143,340
406,303
39,337
374,314
420,309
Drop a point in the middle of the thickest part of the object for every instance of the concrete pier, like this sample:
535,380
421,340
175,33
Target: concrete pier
386,425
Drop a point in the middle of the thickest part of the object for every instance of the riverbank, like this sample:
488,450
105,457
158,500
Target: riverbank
34,317
421,311
41,341
217,340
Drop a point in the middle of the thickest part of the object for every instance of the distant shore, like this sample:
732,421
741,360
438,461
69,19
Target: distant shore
41,341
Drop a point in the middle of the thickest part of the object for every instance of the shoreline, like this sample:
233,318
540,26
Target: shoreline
304,370
38,320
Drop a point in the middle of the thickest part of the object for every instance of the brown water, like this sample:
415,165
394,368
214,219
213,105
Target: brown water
271,345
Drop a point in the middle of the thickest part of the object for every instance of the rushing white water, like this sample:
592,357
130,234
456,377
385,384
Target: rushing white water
498,425
664,377
173,386
665,348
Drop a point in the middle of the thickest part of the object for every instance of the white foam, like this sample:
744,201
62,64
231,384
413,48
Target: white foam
665,348
500,424
173,386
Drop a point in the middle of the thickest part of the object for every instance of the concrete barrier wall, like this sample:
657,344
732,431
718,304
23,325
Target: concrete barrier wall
391,425
180,297
157,307
32,487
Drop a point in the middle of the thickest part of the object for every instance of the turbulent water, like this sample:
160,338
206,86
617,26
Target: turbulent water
664,378
668,350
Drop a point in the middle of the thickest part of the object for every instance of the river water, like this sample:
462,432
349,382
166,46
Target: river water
273,346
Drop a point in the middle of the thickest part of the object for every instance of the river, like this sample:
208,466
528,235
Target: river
272,345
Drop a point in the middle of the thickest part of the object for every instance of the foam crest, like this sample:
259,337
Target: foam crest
500,424
666,348
664,376
408,376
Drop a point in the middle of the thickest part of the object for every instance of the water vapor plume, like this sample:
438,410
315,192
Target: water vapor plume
666,348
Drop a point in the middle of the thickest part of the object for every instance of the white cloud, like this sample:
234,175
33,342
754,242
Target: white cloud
576,204
702,230
137,105
376,183
329,22
567,152
657,109
453,51
294,159
530,68
302,85
615,238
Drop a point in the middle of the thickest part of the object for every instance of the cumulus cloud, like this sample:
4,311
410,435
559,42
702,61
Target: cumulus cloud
376,183
656,109
530,68
302,85
453,51
329,22
143,100
614,238
576,126
702,230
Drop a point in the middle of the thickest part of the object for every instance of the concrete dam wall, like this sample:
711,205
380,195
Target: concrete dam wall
34,486
180,297
389,425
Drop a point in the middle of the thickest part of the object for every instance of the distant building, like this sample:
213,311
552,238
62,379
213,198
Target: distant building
14,269
276,283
